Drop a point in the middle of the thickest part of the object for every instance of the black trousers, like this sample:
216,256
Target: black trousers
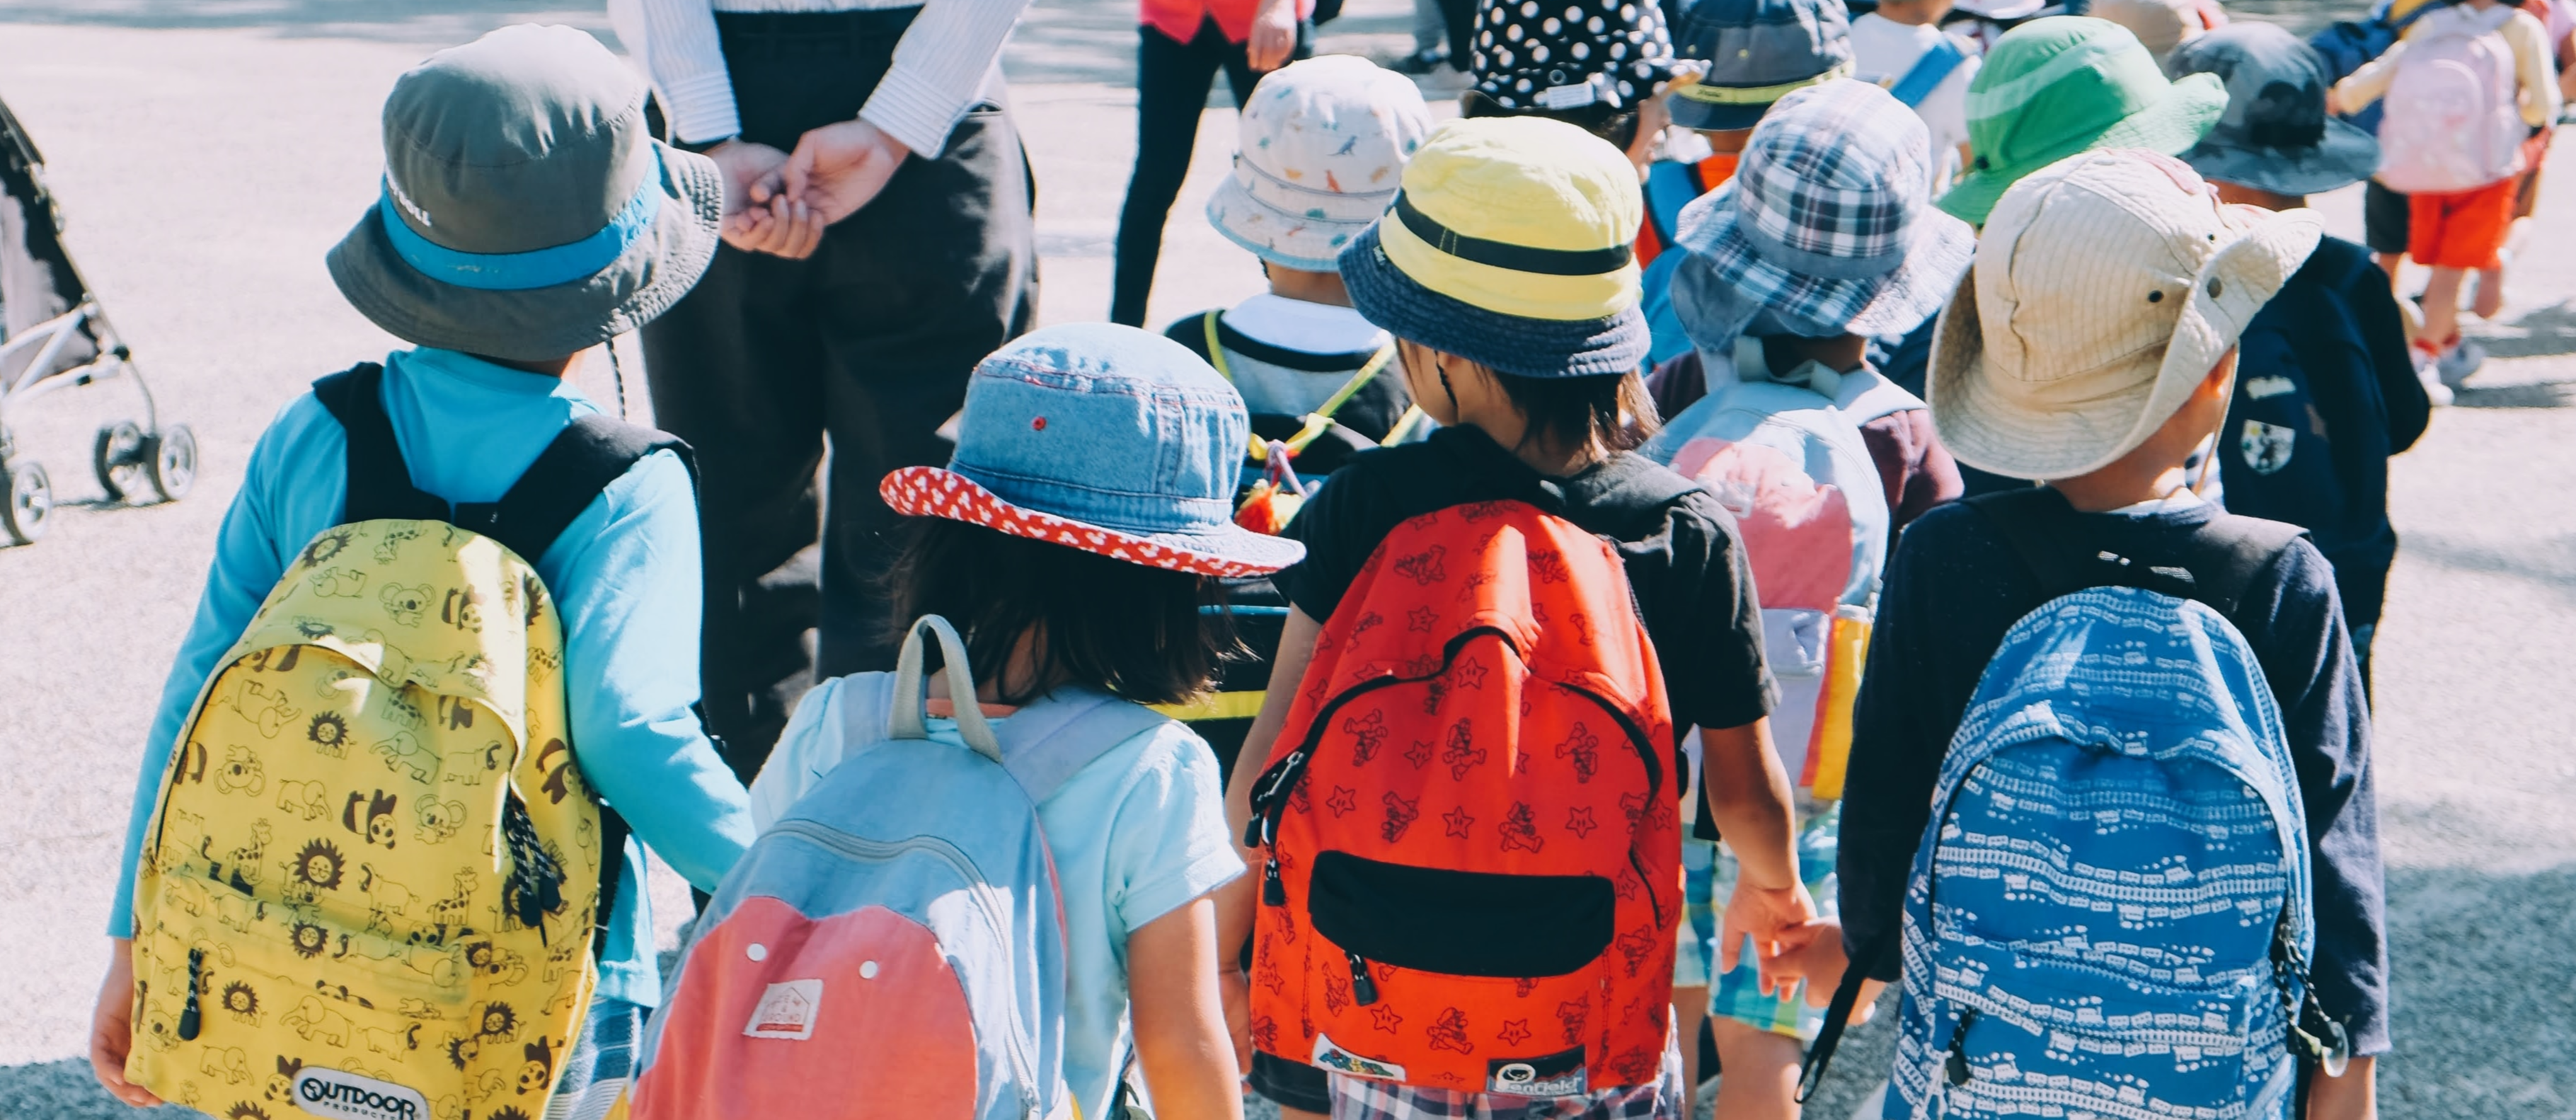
865,345
1171,88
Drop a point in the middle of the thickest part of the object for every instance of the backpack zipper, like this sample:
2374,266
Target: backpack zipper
191,1017
1955,1067
1363,989
880,851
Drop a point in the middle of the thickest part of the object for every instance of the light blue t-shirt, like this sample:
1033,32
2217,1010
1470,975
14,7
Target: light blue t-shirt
1136,834
626,584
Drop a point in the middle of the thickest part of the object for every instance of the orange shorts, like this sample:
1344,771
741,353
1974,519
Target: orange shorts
2462,229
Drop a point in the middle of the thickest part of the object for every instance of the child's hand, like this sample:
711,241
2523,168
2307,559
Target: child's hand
111,1029
1235,989
1766,915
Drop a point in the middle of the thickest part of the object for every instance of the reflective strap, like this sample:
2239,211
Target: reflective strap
1403,426
537,268
1756,95
1215,705
1320,419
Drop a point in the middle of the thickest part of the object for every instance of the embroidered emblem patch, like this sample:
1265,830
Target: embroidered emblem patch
786,1010
1329,1056
1555,1075
2267,447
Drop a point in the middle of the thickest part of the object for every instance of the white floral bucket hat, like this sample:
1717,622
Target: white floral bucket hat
1323,146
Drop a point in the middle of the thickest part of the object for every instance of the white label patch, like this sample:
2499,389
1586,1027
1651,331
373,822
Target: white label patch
347,1096
1329,1056
2259,388
2267,447
1569,97
786,1011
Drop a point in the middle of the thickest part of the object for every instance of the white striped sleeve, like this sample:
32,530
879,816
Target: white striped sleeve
686,61
939,70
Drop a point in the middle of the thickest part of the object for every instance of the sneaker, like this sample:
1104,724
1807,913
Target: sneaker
2463,361
2426,372
1421,61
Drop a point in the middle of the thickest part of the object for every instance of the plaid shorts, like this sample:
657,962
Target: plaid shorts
600,1065
1360,1098
1738,994
1695,957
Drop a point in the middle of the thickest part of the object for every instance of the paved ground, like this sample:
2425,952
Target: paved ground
207,151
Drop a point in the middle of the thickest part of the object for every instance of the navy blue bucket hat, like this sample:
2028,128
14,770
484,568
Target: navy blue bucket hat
2276,134
1757,52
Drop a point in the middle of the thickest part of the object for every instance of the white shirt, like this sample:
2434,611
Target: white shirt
1883,50
947,61
1294,324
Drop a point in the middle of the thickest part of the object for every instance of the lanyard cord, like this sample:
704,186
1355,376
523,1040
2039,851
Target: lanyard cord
1322,418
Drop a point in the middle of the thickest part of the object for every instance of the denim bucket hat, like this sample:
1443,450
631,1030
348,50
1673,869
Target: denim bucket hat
1757,52
1828,223
2060,85
1512,245
525,213
2276,134
1102,438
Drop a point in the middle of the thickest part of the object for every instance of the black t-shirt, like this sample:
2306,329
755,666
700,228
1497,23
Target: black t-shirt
1693,584
2325,394
1953,589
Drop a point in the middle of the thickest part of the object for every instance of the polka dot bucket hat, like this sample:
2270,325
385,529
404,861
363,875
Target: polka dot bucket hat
1534,56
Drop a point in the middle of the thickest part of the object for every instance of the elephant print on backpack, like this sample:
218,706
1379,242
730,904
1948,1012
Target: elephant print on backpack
311,800
316,1021
404,753
266,708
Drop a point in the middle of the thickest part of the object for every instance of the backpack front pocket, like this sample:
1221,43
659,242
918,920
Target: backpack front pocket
1463,923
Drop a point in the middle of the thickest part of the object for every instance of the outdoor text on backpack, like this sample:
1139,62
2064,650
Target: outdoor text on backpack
1474,873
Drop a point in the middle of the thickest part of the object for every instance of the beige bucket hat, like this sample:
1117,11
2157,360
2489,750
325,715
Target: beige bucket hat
2106,286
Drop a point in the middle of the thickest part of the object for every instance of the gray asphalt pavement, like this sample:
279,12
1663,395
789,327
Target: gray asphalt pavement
208,151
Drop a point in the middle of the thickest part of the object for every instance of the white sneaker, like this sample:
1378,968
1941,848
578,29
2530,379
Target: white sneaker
2426,372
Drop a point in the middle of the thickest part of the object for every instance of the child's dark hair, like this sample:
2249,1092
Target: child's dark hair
1615,410
1618,126
1134,630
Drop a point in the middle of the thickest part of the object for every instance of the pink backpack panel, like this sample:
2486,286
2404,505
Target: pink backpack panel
2452,120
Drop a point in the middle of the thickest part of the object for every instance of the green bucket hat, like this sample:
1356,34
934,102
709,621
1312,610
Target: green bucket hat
525,213
2061,85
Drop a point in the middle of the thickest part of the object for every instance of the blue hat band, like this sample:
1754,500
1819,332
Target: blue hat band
536,268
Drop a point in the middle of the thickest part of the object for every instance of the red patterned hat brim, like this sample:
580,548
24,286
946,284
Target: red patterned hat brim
939,492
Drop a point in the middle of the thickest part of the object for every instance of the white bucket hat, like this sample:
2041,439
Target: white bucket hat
2106,286
1320,155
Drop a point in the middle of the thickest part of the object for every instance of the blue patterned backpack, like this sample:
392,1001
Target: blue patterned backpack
2109,913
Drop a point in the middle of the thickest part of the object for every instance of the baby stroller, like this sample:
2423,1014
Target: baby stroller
53,336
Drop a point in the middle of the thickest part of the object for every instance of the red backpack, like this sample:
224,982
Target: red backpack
1474,868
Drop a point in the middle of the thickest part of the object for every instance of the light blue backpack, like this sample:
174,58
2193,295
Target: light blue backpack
893,943
2109,913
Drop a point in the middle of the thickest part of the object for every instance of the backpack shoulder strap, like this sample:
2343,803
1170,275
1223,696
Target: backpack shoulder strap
2230,551
380,483
1048,742
1669,187
1928,72
2032,521
2225,554
589,454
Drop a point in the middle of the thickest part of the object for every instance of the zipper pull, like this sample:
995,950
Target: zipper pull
1363,989
191,1018
1957,1065
1273,891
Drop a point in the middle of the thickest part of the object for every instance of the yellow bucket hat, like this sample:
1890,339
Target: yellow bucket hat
1510,245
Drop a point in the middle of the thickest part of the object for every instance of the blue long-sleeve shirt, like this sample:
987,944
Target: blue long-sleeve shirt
625,581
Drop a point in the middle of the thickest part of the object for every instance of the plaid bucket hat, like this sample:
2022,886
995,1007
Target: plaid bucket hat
1827,224
525,213
1757,51
1102,438
2059,85
2276,134
1322,149
1511,245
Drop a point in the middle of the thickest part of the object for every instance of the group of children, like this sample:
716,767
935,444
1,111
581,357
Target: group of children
1688,398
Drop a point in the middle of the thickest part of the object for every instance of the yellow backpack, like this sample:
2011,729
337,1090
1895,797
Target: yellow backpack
374,874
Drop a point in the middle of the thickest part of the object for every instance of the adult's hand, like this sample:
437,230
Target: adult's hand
839,168
759,217
111,1028
1274,35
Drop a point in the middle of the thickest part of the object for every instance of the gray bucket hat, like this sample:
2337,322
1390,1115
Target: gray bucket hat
525,213
2276,134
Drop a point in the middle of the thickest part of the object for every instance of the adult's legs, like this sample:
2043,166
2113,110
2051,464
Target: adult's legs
914,290
1171,88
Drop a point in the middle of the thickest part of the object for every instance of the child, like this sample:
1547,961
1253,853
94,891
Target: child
1903,49
1084,564
2162,25
2324,390
1755,52
2458,158
1181,44
1596,73
551,126
1781,292
2093,347
1508,285
2036,110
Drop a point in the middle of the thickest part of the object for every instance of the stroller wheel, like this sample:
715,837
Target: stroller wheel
30,501
117,457
173,461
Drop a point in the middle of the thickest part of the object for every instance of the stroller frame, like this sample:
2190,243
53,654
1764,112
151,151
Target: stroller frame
73,348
